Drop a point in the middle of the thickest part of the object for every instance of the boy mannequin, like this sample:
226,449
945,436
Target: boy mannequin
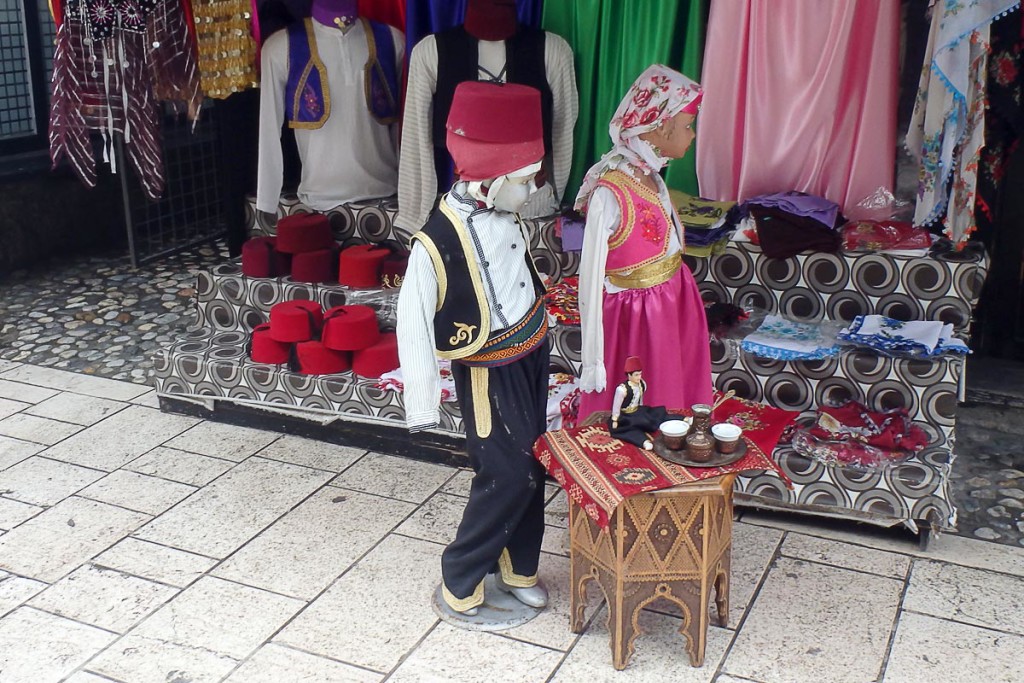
472,294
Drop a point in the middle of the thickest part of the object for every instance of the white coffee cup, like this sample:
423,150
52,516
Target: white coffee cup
727,435
673,432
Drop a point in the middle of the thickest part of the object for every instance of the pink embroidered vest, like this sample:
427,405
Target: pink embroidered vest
643,234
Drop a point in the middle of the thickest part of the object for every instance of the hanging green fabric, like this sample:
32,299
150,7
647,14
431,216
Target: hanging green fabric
614,41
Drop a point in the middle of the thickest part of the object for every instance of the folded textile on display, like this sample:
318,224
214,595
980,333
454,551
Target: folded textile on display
853,435
562,302
885,236
782,234
915,337
705,222
762,424
784,339
796,203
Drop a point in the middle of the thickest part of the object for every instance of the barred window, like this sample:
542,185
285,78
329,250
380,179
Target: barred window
26,62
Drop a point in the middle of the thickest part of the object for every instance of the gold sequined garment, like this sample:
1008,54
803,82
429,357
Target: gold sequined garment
227,52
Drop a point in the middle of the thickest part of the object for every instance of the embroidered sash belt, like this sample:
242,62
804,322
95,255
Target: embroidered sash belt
512,343
650,275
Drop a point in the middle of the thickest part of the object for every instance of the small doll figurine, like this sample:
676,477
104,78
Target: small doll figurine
631,420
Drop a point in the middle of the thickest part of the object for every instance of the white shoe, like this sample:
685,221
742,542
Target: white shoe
534,596
471,612
648,445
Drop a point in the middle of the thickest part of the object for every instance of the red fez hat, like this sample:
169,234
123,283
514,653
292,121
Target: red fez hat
261,259
392,271
359,266
494,129
313,358
304,232
633,364
314,266
350,328
265,349
374,361
294,321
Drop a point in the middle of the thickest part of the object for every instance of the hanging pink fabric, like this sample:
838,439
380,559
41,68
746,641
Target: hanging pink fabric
799,95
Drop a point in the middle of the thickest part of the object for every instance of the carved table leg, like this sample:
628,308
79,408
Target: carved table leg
578,578
722,588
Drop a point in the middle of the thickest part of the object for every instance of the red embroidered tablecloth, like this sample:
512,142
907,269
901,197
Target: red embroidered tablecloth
598,471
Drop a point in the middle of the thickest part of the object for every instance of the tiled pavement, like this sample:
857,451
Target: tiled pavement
138,546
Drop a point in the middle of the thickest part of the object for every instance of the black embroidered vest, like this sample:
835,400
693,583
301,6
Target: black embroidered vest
462,320
628,400
458,60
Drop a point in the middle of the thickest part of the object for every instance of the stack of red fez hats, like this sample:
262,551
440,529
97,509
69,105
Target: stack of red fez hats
318,343
304,247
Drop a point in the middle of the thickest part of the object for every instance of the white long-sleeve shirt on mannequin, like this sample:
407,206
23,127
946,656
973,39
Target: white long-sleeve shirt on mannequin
508,287
417,180
351,157
603,217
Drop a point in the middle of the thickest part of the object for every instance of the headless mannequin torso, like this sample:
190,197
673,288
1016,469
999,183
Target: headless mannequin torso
350,156
492,23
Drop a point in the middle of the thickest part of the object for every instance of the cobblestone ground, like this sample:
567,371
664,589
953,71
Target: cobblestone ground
98,316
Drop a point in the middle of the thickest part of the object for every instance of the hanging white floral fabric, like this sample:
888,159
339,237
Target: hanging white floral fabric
947,128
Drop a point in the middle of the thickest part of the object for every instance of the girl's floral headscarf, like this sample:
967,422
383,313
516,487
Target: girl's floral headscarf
657,95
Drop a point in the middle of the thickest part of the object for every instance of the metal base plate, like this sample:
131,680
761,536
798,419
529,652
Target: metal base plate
499,612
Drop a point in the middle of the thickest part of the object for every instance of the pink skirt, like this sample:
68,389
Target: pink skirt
665,326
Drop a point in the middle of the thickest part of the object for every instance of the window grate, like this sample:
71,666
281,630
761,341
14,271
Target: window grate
17,109
48,33
191,210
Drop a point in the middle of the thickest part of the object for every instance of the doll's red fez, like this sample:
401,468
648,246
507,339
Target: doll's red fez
374,361
392,271
265,349
350,328
359,266
294,321
313,358
314,266
260,258
304,232
633,364
494,129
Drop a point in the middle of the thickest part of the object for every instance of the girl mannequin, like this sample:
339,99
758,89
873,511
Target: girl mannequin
636,297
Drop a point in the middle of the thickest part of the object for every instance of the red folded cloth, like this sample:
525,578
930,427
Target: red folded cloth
260,258
359,266
295,321
375,360
313,358
315,266
265,349
350,328
883,235
304,232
